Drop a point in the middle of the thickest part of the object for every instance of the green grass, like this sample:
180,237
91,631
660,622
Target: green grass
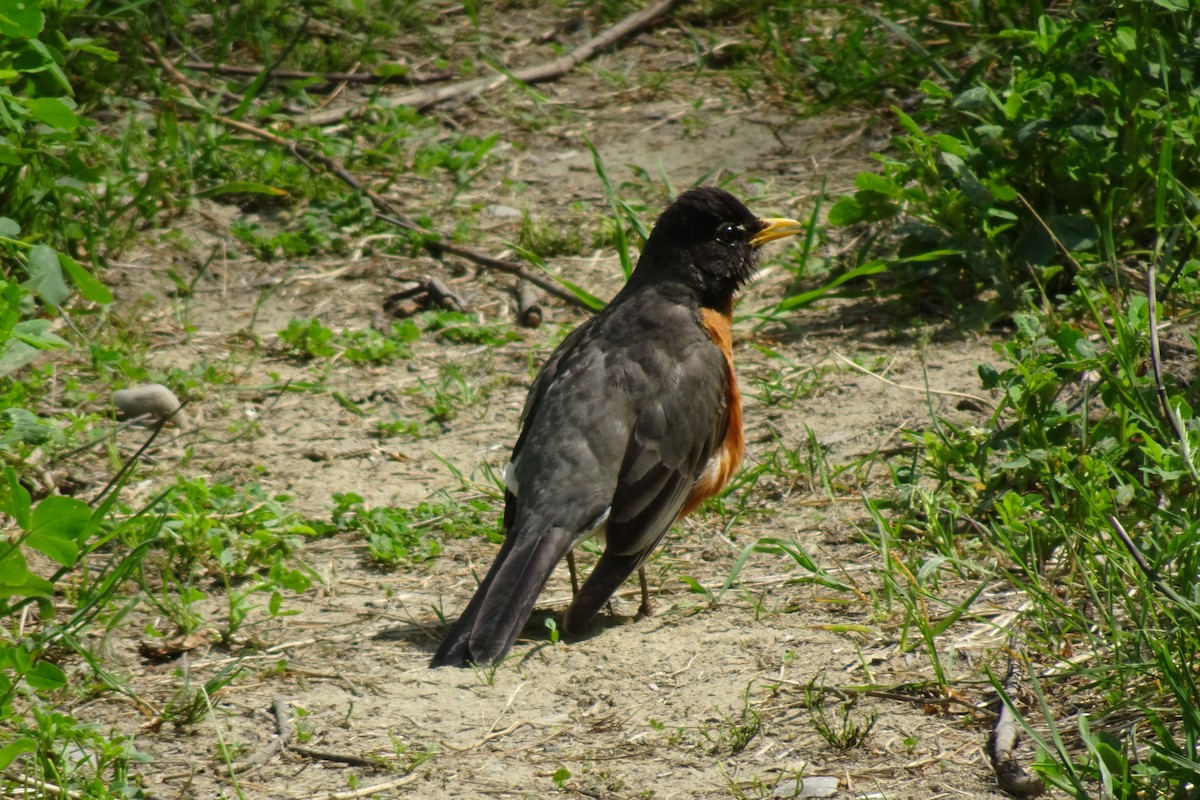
1041,160
398,537
310,339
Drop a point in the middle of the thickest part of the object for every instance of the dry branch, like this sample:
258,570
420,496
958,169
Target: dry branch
282,713
438,246
370,78
365,791
1160,387
1002,744
41,786
540,73
434,243
529,306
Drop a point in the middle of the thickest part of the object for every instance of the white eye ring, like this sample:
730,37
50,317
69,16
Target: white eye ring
730,233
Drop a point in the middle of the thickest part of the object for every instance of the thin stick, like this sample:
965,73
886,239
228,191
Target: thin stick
329,77
387,212
1012,777
1150,574
336,758
512,268
136,456
922,389
434,243
529,306
42,786
540,73
365,791
1156,363
1053,237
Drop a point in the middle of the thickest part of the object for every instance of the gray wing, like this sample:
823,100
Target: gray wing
676,433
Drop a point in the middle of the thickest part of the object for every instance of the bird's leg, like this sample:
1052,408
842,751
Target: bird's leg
645,610
574,575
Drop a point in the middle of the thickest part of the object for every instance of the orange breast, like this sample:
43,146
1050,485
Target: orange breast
725,460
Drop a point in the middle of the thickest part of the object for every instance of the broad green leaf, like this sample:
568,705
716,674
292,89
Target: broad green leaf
21,19
59,548
37,56
37,333
934,90
9,229
15,354
93,47
1126,39
65,515
13,569
25,427
57,523
46,676
10,751
873,181
87,283
405,330
15,501
45,275
54,112
973,98
8,155
29,586
909,123
845,211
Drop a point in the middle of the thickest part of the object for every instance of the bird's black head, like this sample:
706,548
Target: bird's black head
708,241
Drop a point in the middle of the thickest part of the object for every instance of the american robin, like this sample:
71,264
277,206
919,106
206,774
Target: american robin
633,422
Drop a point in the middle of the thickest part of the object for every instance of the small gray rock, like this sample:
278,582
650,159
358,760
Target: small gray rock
503,212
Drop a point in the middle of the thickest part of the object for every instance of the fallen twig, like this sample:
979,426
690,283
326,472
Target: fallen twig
539,73
330,78
1010,775
510,267
418,296
924,389
365,791
283,741
39,785
1156,364
434,243
1155,580
490,736
529,307
337,758
183,80
443,297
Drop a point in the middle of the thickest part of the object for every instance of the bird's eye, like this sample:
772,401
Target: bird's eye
730,233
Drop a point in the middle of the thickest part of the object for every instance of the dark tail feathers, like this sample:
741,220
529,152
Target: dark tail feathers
504,600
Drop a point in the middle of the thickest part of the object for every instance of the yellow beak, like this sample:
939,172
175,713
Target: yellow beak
776,228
